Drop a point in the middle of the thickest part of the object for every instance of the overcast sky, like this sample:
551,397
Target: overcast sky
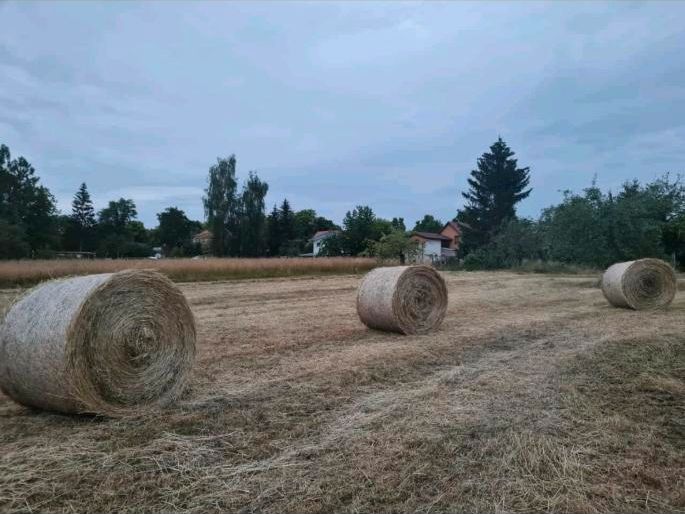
338,104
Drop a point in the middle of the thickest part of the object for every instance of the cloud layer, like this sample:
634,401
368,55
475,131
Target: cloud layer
338,104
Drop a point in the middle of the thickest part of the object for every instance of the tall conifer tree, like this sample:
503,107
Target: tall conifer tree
273,238
495,188
253,223
286,222
83,218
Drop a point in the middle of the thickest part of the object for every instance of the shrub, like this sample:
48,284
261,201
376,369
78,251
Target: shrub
517,241
395,245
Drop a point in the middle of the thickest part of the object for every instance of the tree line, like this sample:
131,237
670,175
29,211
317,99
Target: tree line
32,227
235,215
591,228
594,229
239,224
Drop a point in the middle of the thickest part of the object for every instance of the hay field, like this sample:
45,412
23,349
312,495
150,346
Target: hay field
535,395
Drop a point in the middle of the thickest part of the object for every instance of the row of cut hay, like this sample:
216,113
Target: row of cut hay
29,272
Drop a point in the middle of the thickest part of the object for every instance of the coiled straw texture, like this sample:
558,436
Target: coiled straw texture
404,299
641,284
111,344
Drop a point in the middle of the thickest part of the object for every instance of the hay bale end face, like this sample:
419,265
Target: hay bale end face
404,299
112,344
642,284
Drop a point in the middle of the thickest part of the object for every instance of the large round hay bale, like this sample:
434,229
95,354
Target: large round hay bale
641,284
404,299
110,344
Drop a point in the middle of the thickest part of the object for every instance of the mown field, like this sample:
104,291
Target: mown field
534,395
29,272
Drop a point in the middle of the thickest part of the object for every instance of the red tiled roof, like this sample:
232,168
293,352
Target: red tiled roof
456,225
431,235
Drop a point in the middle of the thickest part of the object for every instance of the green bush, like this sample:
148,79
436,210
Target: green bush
397,244
481,259
516,242
13,243
540,266
597,229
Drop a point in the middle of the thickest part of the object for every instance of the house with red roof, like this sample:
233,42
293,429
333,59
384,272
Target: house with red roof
437,247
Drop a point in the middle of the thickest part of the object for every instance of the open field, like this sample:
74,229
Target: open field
28,272
534,395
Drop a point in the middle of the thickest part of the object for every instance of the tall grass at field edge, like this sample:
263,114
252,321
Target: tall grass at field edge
30,272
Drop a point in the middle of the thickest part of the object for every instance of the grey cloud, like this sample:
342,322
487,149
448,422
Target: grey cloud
336,104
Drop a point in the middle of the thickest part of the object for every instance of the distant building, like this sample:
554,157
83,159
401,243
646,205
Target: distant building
204,239
319,238
436,247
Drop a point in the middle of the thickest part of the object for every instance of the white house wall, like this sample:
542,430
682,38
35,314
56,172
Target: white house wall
431,250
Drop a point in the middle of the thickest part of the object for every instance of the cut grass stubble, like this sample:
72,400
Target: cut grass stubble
535,395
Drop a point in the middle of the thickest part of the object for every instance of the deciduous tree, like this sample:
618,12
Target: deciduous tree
175,231
360,227
428,224
221,205
26,205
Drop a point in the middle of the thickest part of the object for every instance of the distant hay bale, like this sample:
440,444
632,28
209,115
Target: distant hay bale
113,344
641,284
404,299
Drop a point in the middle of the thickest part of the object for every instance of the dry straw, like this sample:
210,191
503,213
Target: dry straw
110,344
641,284
405,299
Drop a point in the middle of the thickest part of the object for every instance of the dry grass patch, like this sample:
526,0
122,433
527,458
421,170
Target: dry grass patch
28,272
628,399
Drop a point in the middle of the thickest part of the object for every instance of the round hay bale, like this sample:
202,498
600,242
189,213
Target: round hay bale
404,299
641,284
112,344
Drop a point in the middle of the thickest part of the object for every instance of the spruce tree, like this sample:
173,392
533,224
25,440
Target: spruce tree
273,230
83,217
495,189
82,210
286,222
253,230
